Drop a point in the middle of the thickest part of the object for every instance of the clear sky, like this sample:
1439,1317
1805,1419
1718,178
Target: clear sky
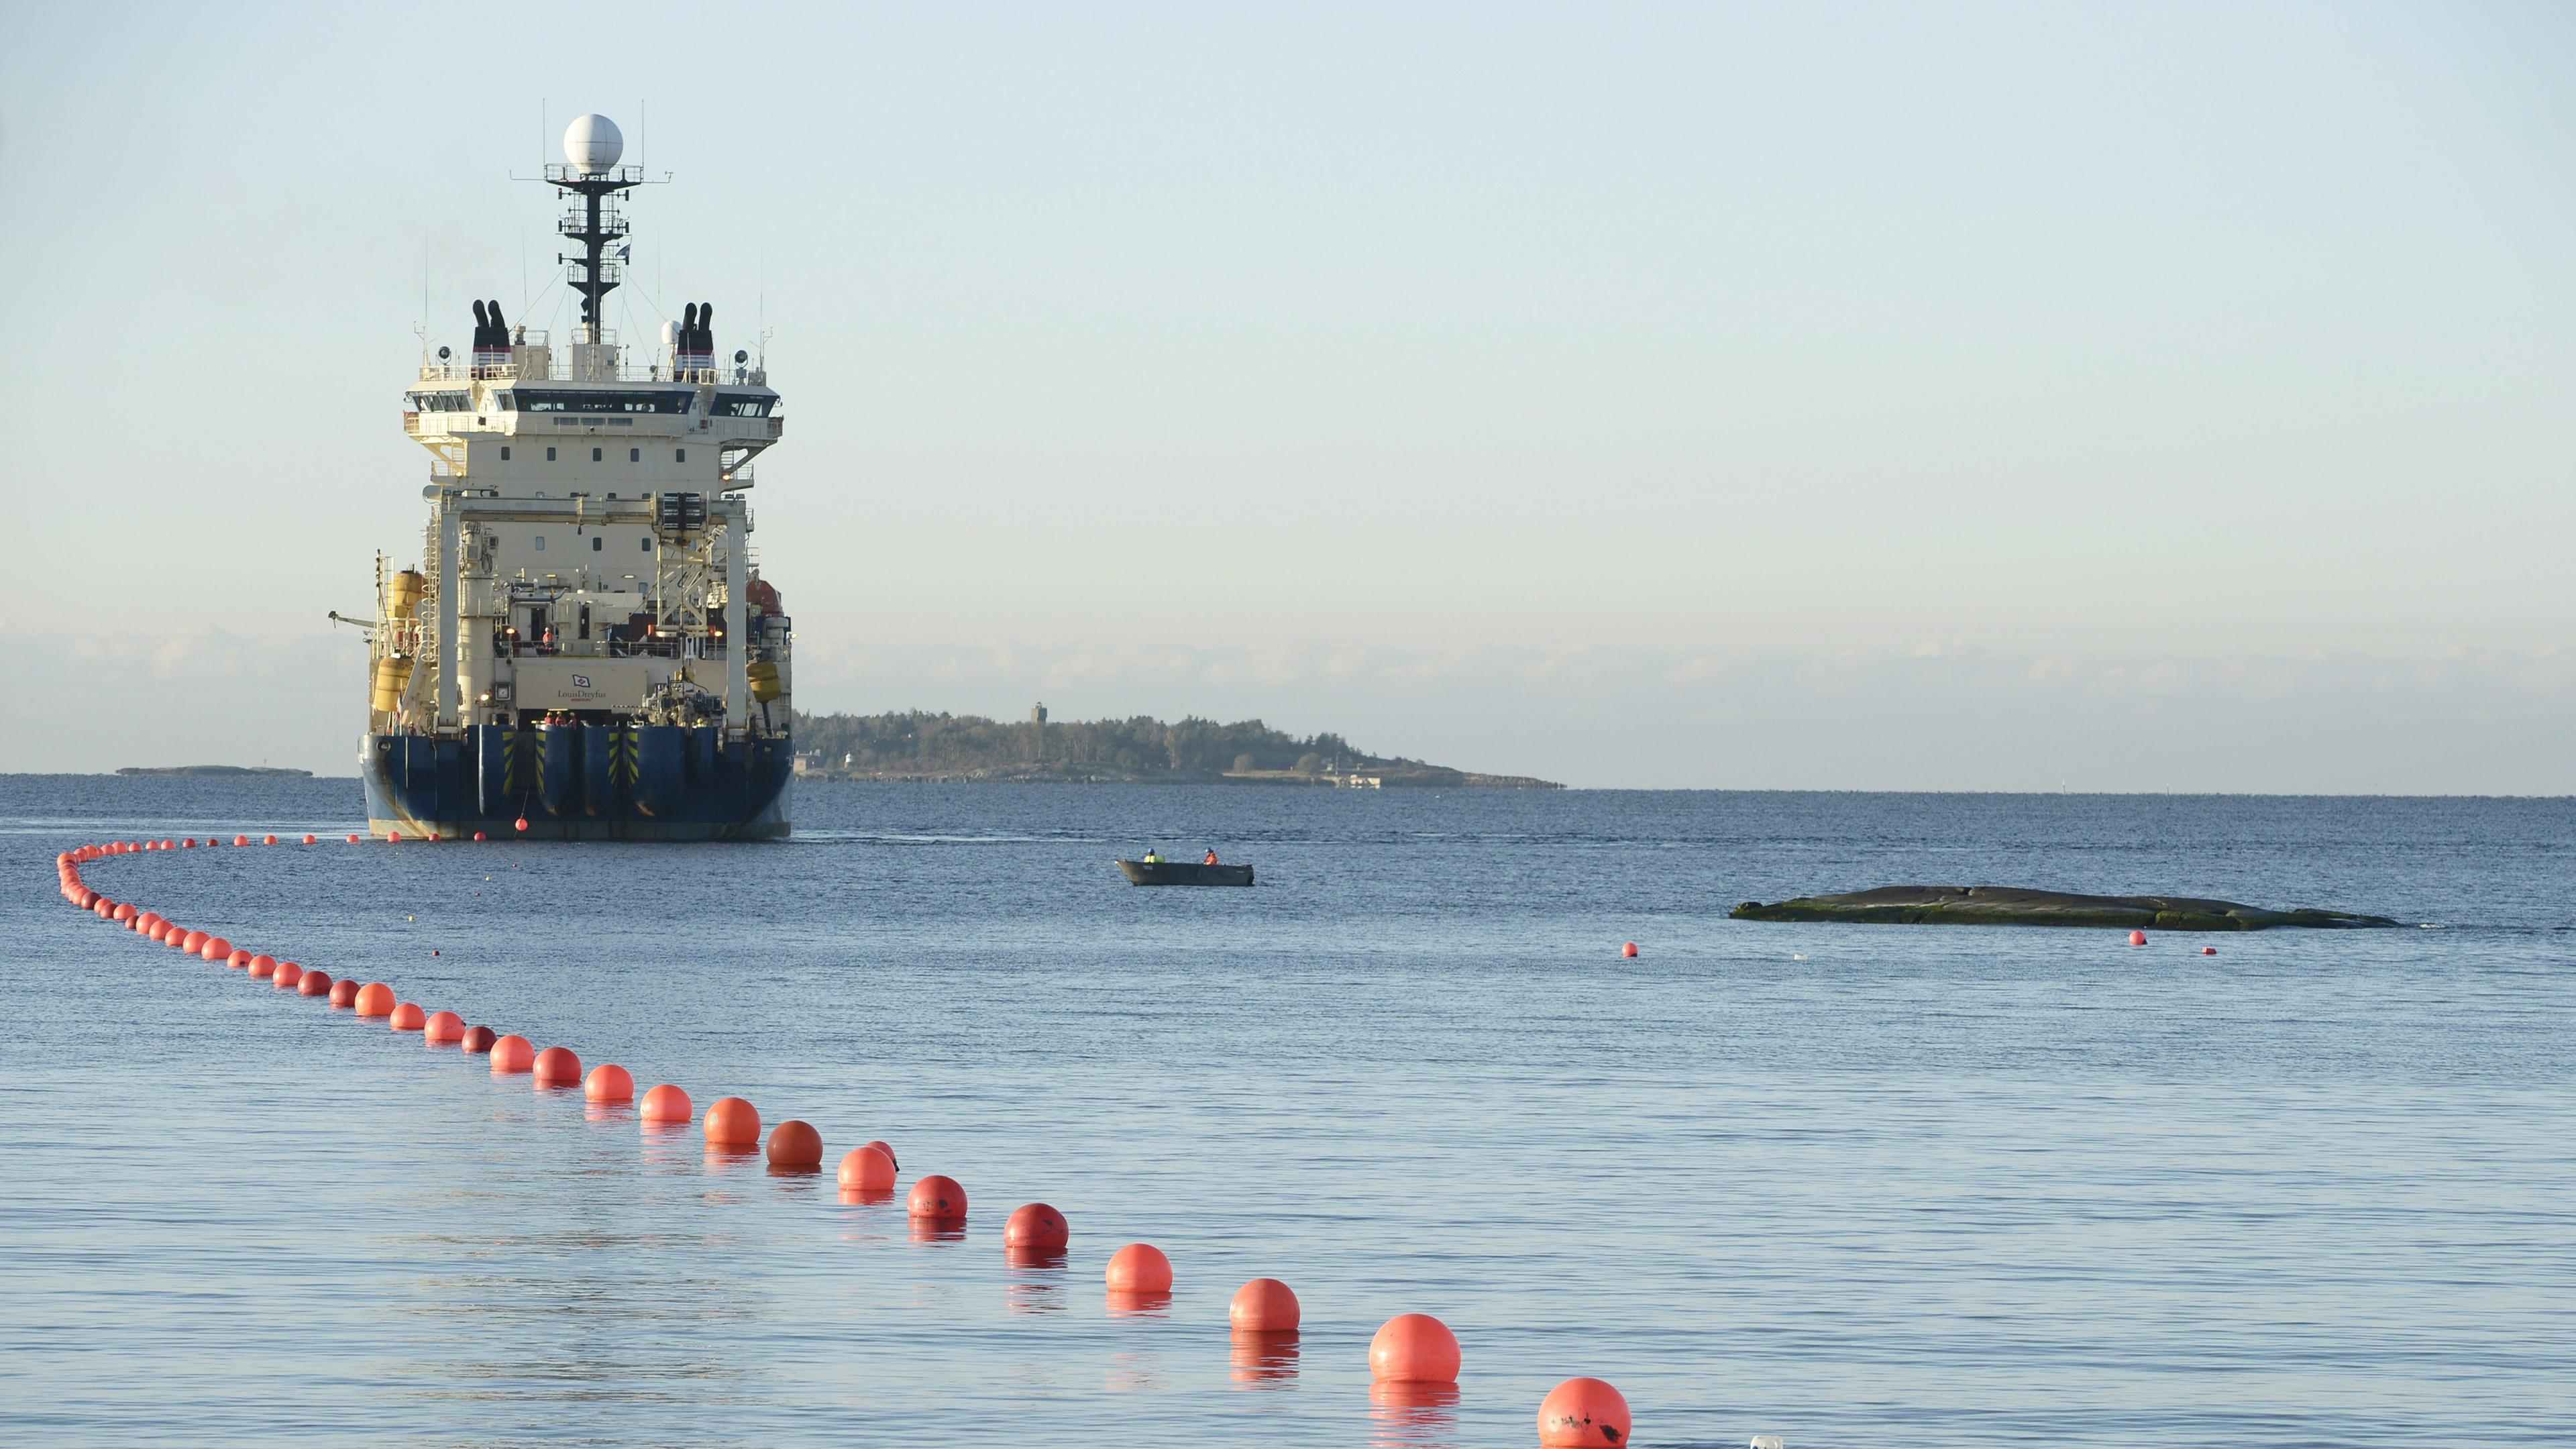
1978,396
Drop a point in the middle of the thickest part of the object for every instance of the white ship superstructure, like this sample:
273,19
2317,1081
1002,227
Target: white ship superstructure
586,649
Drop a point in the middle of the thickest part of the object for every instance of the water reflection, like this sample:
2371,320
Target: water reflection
1405,1415
666,1148
608,1111
937,1230
1139,1305
866,1196
1036,1281
1132,1373
1264,1360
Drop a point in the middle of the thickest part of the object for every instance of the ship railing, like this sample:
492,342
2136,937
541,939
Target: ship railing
559,369
656,648
462,371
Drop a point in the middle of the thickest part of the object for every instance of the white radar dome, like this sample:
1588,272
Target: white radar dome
592,143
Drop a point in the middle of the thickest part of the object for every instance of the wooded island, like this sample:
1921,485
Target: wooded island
918,745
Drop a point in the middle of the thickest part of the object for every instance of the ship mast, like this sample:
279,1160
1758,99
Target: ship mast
594,187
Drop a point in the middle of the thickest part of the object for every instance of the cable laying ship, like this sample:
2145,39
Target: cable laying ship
587,650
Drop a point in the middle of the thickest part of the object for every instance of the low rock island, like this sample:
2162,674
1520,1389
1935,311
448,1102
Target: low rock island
1918,905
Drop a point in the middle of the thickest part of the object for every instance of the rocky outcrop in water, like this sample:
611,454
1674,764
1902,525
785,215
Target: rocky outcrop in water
2012,906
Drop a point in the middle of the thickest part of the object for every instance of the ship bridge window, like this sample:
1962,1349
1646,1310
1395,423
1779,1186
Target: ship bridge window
564,400
440,402
741,405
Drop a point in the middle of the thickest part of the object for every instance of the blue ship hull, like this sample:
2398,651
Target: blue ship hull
578,782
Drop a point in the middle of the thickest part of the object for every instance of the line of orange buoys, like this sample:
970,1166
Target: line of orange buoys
1413,1360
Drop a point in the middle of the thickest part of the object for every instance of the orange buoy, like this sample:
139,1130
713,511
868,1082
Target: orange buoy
477,1039
442,1028
1414,1348
1628,948
2137,938
126,913
375,999
888,1150
666,1103
521,822
268,840
1263,1305
1139,1268
512,1053
796,1146
867,1169
732,1122
609,1082
215,948
1036,1228
557,1067
314,983
393,836
263,968
194,941
241,840
309,839
286,976
407,1017
937,1199
344,992
1582,1414
238,958
353,839
2209,950
478,835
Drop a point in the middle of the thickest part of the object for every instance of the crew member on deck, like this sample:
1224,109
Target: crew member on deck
1153,856
1211,856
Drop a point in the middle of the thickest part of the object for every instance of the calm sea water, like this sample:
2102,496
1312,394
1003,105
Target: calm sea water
1853,1186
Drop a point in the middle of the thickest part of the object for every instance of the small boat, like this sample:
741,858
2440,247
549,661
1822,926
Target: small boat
1183,872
